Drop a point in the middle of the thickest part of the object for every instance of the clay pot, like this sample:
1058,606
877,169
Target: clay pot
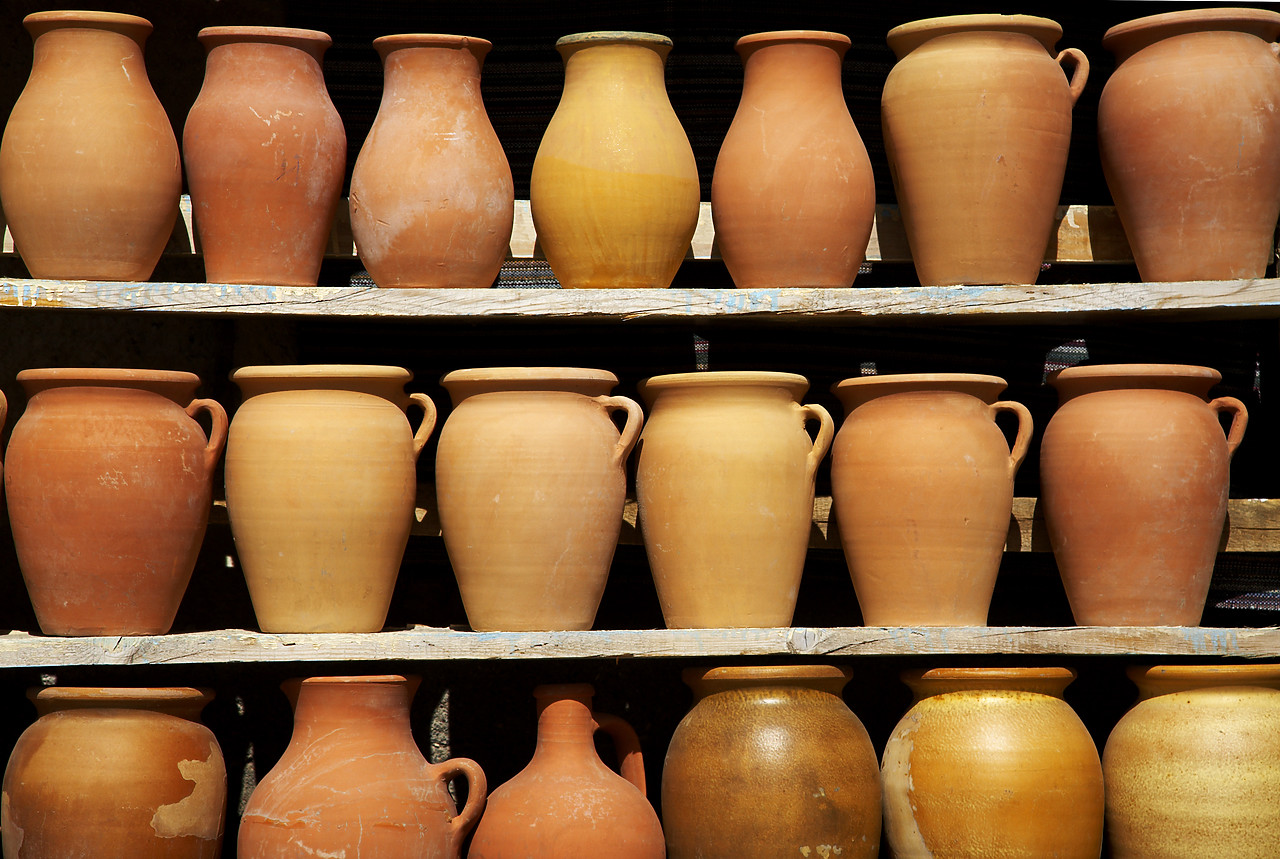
266,156
922,483
321,483
724,481
530,485
432,200
1194,768
1134,472
770,762
614,192
89,168
566,802
977,121
792,198
115,772
353,783
992,762
109,486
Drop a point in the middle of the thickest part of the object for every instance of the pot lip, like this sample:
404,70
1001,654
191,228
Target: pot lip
1155,680
919,382
1127,38
525,375
355,679
905,38
794,383
567,45
211,37
91,375
1093,372
134,26
386,44
704,681
321,371
754,41
182,701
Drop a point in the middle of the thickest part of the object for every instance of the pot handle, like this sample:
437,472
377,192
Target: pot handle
630,430
428,422
822,442
477,793
1079,75
217,431
1023,439
1239,420
627,744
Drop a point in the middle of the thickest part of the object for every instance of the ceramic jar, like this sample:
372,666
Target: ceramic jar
432,200
265,153
770,762
992,762
976,118
566,802
530,486
922,486
115,772
1189,135
792,197
352,781
614,192
89,167
321,482
724,483
1134,472
109,486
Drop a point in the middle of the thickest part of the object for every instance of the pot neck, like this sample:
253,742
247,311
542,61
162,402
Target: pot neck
1077,381
374,705
565,724
435,61
861,390
276,56
940,681
1036,31
1125,40
178,386
182,702
810,65
609,67
71,47
827,679
385,382
1168,679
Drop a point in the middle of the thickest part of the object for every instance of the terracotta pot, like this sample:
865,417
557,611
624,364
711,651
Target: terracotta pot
530,485
793,198
88,156
992,762
432,200
1134,471
976,118
115,772
353,783
724,481
1194,768
109,486
922,482
770,762
1190,141
321,483
614,191
566,802
266,156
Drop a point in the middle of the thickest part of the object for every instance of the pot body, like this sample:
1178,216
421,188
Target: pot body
1134,473
265,153
432,200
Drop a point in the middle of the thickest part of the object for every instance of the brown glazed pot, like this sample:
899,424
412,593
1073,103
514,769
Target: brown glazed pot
792,198
109,486
432,200
1189,136
353,783
992,762
89,167
976,118
530,485
1134,472
770,762
265,154
922,484
1194,768
566,802
115,772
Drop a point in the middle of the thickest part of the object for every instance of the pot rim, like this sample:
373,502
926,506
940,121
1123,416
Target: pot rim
1155,680
1095,376
969,678
605,37
133,26
177,385
356,679
523,376
478,47
794,383
827,38
705,681
920,382
905,38
1127,38
184,702
261,372
311,41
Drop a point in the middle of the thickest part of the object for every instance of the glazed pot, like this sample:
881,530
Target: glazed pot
353,783
530,486
1190,141
566,802
922,483
1134,472
265,154
976,118
770,762
724,482
432,200
89,167
109,486
992,762
792,198
115,772
614,192
321,483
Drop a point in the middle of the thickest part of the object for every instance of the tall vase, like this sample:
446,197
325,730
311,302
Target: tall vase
89,167
614,191
109,486
432,200
977,121
793,198
265,153
321,482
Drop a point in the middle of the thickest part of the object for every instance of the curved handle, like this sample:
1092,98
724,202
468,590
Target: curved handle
1080,74
1022,441
826,432
630,430
627,744
428,422
477,794
217,432
1239,420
